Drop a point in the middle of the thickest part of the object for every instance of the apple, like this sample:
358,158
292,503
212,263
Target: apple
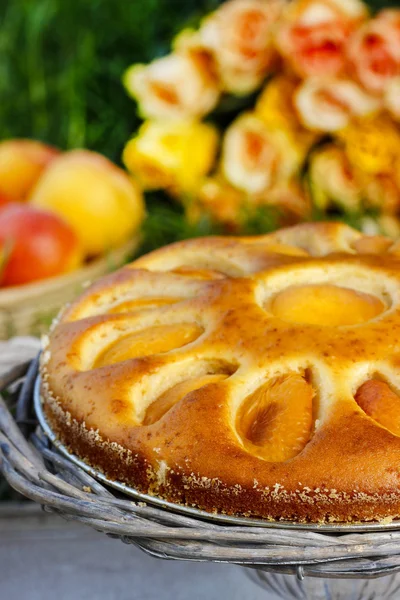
100,201
35,244
21,164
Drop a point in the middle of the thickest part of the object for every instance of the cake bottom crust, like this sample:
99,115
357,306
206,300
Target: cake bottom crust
185,488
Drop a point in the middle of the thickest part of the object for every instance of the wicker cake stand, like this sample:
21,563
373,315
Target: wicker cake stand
293,562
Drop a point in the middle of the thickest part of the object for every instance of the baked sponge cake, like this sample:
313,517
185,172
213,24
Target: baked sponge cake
256,375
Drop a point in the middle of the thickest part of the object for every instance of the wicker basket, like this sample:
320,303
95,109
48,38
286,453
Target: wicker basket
29,309
271,555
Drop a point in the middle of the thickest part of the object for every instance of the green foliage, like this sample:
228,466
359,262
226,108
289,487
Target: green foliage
166,223
378,4
62,61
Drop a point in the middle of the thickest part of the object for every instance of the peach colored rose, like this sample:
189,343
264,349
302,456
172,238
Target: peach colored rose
230,207
374,51
218,200
291,200
240,37
389,225
392,98
328,105
255,157
381,191
312,35
333,181
177,86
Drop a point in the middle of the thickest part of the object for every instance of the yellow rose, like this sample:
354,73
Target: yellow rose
332,180
275,106
171,155
177,86
372,145
328,105
240,36
256,157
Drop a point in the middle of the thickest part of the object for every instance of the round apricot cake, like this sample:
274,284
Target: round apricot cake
255,376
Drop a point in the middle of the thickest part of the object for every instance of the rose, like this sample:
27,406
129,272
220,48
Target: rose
374,51
312,35
333,181
372,144
220,201
389,225
291,200
171,155
330,104
392,98
230,207
275,103
275,106
255,157
381,192
239,35
177,86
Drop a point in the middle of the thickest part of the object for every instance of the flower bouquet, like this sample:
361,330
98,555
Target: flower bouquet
291,107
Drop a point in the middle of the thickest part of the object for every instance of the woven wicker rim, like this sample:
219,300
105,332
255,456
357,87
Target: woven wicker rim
38,471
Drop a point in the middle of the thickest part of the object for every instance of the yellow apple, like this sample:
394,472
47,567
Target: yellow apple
101,202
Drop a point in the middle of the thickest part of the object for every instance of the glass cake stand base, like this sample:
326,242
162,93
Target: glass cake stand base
289,587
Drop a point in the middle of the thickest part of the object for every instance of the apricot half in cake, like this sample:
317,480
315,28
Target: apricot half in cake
253,375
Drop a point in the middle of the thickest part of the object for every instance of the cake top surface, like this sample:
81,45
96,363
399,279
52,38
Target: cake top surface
264,363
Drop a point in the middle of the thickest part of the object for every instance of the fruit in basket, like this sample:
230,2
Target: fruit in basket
21,164
99,201
35,244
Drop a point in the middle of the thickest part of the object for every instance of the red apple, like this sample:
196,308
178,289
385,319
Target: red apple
22,162
4,199
35,245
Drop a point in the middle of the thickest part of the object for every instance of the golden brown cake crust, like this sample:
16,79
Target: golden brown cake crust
220,291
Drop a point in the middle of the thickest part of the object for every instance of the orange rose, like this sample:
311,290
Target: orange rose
330,104
240,37
313,33
256,157
374,51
